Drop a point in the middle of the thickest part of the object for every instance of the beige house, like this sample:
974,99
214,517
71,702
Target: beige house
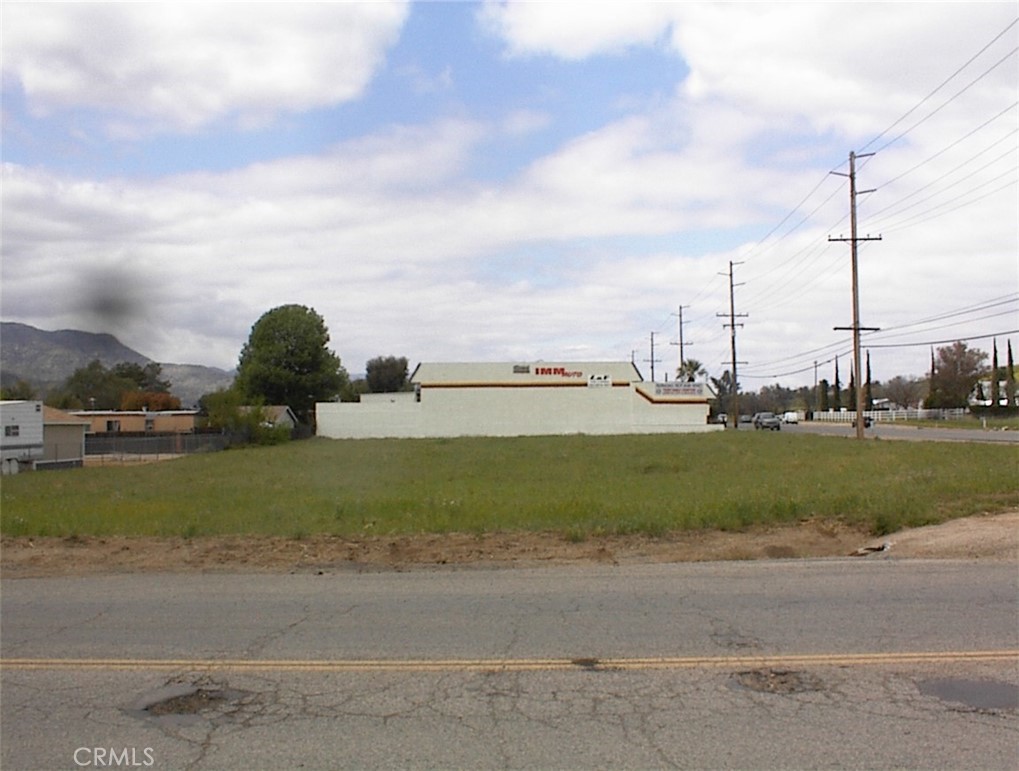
139,421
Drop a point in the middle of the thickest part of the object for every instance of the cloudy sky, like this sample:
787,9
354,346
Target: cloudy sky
516,181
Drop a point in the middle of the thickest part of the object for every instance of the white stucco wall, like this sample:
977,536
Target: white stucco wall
490,403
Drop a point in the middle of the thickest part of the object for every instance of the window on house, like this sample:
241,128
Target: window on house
150,424
12,430
113,425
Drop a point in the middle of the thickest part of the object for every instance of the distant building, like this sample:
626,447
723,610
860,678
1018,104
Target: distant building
37,436
22,441
63,438
139,421
522,399
276,415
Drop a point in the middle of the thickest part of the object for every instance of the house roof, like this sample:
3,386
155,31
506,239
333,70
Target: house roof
52,416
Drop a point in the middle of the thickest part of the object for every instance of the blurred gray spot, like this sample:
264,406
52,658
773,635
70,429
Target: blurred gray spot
113,299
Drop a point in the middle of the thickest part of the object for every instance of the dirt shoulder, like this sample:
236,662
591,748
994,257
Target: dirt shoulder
980,537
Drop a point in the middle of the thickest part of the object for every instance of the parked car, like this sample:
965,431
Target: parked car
791,417
767,420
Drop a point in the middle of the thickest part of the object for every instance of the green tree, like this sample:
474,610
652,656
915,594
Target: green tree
286,361
147,378
955,373
691,370
92,387
229,410
904,392
868,393
386,374
995,374
1010,379
837,388
19,391
823,388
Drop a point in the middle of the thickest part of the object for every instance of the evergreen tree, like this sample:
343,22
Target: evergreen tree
869,392
837,388
995,390
1010,379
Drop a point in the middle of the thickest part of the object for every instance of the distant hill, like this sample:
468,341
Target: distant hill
47,359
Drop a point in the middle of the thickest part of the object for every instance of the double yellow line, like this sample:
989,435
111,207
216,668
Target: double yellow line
518,665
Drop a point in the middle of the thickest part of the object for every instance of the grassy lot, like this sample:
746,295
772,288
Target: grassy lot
575,485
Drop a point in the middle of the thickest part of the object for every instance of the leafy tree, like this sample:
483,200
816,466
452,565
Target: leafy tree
775,398
19,391
227,410
823,404
904,391
725,390
386,374
286,361
955,373
92,387
147,378
157,401
690,370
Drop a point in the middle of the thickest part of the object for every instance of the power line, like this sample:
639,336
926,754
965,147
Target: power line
942,85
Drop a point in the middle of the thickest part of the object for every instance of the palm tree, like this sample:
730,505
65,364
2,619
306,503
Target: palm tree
690,370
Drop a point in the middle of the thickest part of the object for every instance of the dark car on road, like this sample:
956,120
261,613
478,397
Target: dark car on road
767,420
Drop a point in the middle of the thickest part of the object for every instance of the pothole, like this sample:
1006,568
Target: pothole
975,694
185,703
776,681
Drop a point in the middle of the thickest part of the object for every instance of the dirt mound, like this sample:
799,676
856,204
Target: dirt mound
984,537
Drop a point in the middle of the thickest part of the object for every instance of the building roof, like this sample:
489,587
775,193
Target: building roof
52,416
511,374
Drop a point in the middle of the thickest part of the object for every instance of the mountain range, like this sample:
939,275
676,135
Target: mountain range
47,359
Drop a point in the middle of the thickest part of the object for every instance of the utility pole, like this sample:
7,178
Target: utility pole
652,359
853,240
732,327
682,354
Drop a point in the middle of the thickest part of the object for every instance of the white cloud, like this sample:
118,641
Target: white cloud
574,30
403,250
181,66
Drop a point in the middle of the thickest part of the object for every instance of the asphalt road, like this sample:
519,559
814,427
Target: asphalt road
909,433
847,663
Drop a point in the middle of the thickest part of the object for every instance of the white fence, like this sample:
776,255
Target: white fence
890,416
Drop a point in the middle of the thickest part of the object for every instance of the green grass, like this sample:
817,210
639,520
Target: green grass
970,422
577,486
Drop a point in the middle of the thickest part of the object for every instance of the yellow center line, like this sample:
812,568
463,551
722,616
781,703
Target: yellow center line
518,665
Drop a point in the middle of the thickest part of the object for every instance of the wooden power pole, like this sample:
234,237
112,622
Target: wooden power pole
853,240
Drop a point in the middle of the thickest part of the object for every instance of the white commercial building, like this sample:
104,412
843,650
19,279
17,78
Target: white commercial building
515,399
